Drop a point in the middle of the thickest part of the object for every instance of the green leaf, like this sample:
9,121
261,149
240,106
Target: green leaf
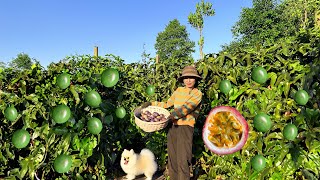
254,175
25,163
273,77
251,105
232,79
51,139
308,175
9,153
286,89
280,157
79,177
276,176
76,162
75,94
76,143
273,135
288,166
234,93
32,97
60,130
265,173
314,146
64,146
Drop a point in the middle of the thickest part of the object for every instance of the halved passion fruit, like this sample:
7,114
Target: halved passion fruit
225,130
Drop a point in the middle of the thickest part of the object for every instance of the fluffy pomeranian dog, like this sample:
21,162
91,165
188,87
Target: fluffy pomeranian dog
134,164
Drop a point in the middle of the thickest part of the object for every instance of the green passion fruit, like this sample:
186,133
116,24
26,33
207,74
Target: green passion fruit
109,77
93,98
290,132
94,125
120,112
258,162
150,90
262,122
20,138
61,113
259,75
108,119
225,86
11,113
63,80
301,97
62,163
225,131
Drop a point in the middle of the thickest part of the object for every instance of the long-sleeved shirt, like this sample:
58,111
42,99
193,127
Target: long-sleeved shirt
186,104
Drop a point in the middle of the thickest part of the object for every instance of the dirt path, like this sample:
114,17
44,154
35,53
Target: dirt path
160,175
157,176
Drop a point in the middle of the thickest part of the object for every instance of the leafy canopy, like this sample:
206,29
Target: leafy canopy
269,21
174,42
22,61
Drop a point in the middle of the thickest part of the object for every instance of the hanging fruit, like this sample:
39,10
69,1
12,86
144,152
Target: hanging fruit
63,80
262,122
61,114
259,75
62,163
93,99
301,97
110,77
225,86
150,90
94,125
11,113
120,112
20,138
258,162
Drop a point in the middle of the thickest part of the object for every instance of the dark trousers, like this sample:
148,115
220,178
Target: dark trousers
179,145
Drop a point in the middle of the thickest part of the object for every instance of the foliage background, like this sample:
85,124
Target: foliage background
291,65
291,57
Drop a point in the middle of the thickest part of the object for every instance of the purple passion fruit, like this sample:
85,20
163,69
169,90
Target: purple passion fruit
152,117
225,130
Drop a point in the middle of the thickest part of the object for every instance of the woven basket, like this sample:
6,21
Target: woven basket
152,126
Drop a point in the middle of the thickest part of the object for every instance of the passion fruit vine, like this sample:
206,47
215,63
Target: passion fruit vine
225,130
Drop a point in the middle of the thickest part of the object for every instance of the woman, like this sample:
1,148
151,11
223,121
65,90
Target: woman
186,101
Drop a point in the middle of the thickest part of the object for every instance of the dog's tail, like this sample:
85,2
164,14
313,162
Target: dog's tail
147,153
148,159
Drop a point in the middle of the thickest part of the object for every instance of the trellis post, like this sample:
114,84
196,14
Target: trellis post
95,51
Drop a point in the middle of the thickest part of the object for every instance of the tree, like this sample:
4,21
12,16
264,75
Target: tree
269,21
22,61
174,42
145,57
301,12
196,20
2,65
259,24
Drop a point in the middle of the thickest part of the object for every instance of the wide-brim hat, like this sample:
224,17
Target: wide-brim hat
189,71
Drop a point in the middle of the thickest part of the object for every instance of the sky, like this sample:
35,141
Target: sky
49,31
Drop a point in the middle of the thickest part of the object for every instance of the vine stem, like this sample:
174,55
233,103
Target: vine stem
154,79
35,174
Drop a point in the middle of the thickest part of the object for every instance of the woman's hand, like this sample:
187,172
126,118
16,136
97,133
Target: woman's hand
171,118
146,104
137,112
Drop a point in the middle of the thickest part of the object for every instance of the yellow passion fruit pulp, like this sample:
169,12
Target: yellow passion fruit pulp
225,130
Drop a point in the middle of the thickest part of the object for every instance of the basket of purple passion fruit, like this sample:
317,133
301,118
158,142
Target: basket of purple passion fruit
152,118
